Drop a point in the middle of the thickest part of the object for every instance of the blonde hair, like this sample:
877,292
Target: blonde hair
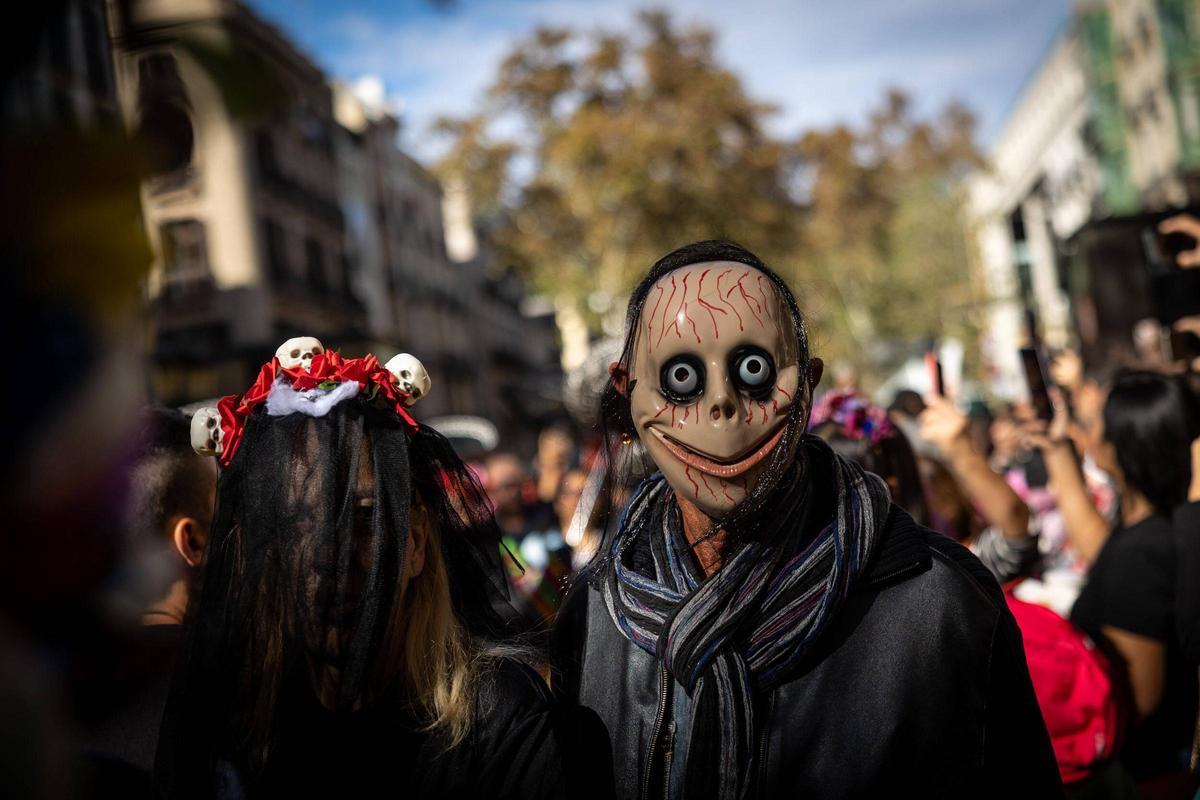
439,663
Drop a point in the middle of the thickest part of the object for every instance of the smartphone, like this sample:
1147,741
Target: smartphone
1174,291
1185,346
936,380
1039,386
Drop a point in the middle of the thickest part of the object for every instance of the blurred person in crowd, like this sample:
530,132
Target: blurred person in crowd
908,403
347,628
171,507
566,499
555,453
862,432
950,510
583,535
1006,545
1128,603
1005,435
763,618
169,513
532,533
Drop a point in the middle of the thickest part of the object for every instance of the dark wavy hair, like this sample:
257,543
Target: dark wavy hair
891,458
616,420
1151,420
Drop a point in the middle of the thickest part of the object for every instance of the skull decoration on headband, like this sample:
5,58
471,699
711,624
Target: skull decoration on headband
299,352
207,435
306,378
715,371
411,375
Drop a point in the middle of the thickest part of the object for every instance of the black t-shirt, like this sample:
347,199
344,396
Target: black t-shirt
1131,586
1187,604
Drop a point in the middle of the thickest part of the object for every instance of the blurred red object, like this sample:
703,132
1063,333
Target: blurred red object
1075,690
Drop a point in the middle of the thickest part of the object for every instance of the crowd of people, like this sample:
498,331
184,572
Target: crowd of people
738,584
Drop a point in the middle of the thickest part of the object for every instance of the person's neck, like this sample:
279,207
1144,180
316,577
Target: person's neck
170,610
1134,507
696,524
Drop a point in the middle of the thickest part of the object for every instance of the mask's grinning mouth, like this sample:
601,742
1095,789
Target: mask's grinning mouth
720,469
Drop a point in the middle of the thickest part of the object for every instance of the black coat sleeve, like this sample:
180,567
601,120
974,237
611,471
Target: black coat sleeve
518,751
1018,757
1187,588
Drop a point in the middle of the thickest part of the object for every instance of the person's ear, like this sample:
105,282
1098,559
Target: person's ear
414,560
189,538
620,378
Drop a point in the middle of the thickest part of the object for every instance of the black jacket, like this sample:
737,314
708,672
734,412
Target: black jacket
919,684
522,748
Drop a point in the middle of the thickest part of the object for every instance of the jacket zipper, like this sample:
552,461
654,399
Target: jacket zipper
668,757
657,731
760,790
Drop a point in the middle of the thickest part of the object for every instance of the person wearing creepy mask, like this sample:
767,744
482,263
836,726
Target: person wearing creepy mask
765,622
347,639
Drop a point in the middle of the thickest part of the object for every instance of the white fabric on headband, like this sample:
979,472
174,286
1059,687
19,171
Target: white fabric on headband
284,400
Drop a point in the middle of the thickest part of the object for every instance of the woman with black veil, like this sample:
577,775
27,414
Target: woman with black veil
344,641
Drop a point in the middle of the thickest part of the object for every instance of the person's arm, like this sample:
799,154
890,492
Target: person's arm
944,426
1145,664
1086,527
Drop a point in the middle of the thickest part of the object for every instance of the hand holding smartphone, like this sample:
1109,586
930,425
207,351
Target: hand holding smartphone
1036,377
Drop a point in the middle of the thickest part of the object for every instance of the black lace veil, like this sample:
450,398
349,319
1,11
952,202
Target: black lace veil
302,576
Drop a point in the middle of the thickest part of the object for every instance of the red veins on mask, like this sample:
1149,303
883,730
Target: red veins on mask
746,297
784,392
687,471
654,313
663,330
709,307
684,307
722,298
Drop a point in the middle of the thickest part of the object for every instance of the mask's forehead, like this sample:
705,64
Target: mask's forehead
716,305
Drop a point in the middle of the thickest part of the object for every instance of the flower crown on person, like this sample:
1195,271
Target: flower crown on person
305,378
856,417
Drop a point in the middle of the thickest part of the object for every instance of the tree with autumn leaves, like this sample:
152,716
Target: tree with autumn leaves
633,144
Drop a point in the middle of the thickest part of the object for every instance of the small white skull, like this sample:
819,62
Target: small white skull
299,352
410,375
207,436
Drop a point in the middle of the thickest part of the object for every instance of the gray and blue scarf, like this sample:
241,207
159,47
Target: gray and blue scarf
745,629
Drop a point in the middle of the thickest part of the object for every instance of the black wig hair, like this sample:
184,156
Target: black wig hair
304,568
1151,420
615,416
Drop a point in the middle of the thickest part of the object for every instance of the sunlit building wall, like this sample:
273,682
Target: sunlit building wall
1101,128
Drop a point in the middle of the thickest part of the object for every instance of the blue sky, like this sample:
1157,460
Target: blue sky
820,61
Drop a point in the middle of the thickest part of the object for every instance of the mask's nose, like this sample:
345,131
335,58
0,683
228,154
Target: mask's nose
723,406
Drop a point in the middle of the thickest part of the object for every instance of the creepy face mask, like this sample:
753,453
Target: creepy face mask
714,373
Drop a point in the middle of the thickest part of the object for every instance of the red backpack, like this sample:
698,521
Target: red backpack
1075,690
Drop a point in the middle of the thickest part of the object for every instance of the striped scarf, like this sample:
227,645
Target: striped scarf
747,627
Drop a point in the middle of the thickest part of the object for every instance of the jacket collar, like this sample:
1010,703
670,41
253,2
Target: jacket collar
902,553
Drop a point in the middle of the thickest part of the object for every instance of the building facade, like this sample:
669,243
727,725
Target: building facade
1106,126
281,205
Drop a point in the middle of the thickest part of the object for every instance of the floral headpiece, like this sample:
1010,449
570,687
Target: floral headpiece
858,418
305,378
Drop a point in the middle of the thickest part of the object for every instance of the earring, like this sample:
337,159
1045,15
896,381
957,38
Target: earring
626,439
